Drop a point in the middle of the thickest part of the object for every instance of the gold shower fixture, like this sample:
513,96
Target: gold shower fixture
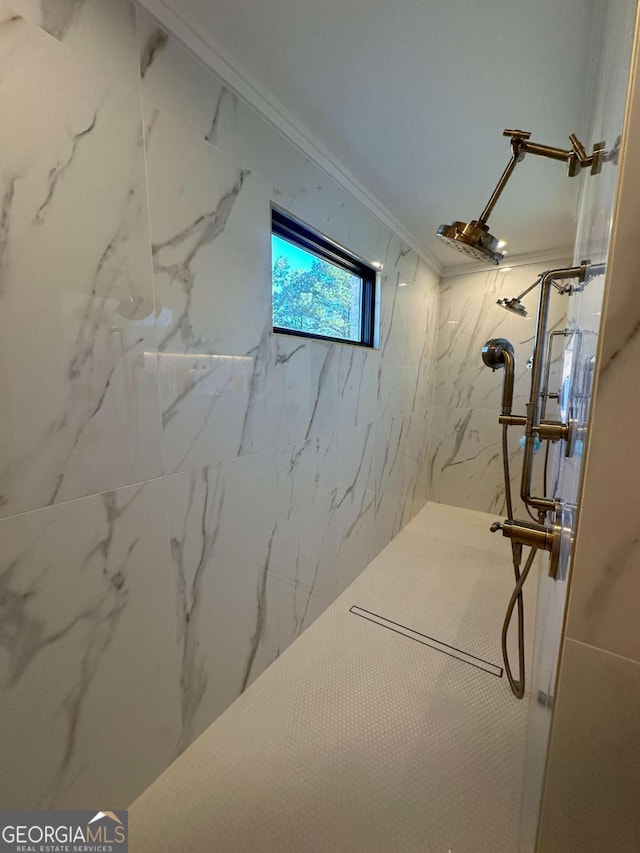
473,238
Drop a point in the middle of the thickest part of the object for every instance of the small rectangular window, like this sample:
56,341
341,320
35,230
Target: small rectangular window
319,289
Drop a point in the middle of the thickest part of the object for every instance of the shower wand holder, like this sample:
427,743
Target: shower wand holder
544,431
532,535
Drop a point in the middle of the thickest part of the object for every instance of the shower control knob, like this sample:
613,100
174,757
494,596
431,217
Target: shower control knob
497,525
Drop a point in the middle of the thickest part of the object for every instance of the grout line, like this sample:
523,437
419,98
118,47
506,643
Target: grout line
166,474
603,651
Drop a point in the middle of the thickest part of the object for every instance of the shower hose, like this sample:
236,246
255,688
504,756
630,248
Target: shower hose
517,687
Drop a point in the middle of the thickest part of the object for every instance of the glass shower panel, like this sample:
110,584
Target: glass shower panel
611,47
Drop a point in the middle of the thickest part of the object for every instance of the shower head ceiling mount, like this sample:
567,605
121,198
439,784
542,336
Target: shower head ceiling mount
473,238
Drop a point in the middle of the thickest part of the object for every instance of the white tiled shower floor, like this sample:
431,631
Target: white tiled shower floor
359,738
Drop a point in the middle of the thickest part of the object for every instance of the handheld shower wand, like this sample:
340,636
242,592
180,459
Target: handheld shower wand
499,353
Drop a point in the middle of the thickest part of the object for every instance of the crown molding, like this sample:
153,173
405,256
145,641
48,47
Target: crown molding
559,253
195,37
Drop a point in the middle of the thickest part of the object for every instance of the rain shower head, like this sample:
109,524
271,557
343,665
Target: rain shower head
513,305
471,238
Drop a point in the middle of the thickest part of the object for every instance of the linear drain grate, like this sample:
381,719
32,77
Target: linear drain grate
439,646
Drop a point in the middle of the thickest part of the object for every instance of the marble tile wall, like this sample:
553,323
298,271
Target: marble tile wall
466,455
181,491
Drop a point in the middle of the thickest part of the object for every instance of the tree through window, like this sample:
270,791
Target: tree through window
319,289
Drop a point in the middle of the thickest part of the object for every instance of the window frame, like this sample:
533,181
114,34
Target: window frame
301,235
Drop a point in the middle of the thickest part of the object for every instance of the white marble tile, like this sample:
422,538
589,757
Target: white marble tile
101,35
307,538
591,795
177,83
402,472
280,405
418,486
150,350
355,503
348,387
210,233
357,385
80,409
298,608
466,451
88,660
466,461
318,200
427,340
325,382
469,317
223,521
403,325
305,191
407,334
390,473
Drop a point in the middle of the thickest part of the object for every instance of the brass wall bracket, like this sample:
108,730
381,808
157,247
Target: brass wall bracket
546,430
575,157
552,430
532,535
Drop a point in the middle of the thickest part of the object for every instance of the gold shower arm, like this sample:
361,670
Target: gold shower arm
575,157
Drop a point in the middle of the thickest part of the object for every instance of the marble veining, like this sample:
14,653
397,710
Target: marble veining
206,228
80,393
155,40
466,458
261,609
193,679
227,623
261,356
57,171
226,97
182,491
101,618
7,200
101,35
71,601
325,375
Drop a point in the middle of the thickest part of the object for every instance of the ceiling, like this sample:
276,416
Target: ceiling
412,96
